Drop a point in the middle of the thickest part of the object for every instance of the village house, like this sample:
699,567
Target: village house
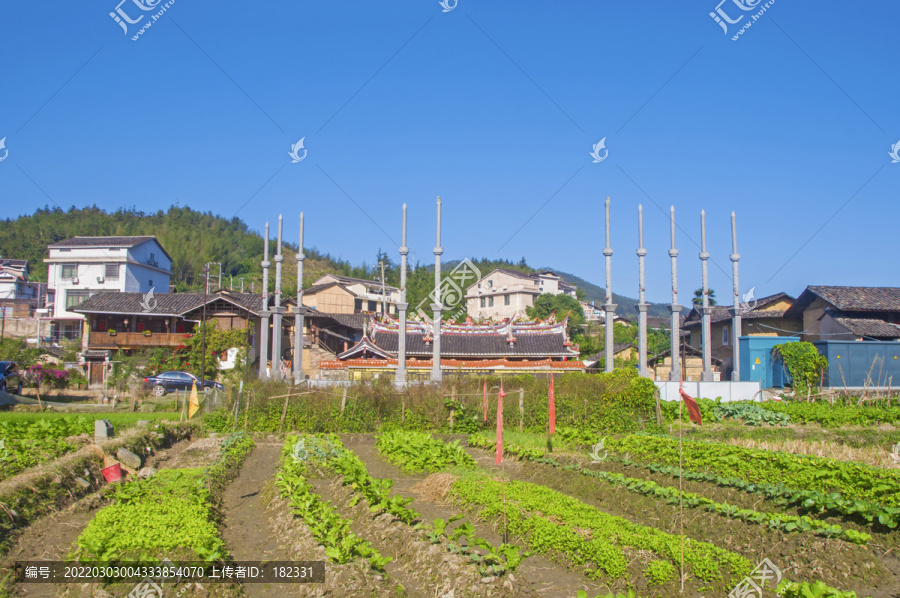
690,360
19,298
767,316
83,266
623,351
505,293
336,294
833,313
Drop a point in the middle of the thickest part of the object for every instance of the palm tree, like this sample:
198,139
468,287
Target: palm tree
698,297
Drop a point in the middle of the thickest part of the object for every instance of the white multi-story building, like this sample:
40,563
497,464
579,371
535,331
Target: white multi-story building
82,266
504,293
14,280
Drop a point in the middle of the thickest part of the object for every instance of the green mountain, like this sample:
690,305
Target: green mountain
194,239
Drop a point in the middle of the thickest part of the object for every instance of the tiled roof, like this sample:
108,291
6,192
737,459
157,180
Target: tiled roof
479,345
726,312
13,263
165,304
617,347
868,327
354,321
351,280
873,299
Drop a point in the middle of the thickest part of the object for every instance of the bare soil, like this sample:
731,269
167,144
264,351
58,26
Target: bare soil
536,576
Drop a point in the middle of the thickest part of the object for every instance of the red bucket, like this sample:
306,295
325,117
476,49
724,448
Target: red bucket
113,473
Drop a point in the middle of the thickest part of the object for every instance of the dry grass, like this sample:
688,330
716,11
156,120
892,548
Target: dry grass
435,486
875,457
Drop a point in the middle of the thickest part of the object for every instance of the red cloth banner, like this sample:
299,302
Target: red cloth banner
552,407
693,407
500,395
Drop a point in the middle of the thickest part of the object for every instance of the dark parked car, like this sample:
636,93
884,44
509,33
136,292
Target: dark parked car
165,382
10,377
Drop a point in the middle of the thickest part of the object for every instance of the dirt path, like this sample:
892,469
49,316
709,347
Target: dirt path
536,576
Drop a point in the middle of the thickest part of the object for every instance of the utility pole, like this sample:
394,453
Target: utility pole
203,337
383,300
401,355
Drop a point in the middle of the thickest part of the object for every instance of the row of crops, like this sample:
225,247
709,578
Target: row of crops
29,439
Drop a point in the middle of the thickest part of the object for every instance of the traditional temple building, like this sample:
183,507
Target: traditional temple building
505,347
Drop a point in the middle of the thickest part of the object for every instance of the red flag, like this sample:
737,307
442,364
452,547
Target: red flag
485,401
500,396
552,407
693,407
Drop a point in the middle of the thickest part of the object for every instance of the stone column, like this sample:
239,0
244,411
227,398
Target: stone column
299,311
705,309
401,339
736,322
610,306
642,304
277,311
675,309
264,312
436,375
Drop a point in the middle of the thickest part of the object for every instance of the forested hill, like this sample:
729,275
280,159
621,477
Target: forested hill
194,238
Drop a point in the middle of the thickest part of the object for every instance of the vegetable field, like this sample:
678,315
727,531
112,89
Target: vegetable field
634,510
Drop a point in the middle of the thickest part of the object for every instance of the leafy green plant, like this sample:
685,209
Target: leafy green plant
803,362
751,414
789,589
418,451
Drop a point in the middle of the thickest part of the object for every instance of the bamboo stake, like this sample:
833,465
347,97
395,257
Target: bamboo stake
284,411
344,400
680,491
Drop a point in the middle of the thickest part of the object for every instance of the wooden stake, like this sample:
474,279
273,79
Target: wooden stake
680,491
402,410
344,400
133,398
521,410
247,411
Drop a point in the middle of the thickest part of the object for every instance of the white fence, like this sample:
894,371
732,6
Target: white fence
729,391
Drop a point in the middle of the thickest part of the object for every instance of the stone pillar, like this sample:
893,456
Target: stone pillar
277,311
401,339
264,312
299,311
642,305
705,310
436,375
610,306
675,309
736,322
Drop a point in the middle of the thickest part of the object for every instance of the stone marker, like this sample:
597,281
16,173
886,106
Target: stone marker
128,458
146,472
103,430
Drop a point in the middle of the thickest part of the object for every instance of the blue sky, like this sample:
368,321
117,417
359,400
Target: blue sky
494,106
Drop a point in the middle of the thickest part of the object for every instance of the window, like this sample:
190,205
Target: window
69,271
111,271
74,298
725,339
357,304
372,306
483,301
490,284
490,302
150,282
505,299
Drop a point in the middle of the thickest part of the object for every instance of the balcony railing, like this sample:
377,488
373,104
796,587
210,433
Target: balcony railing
103,340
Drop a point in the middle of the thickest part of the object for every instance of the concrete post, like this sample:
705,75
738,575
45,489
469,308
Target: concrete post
736,322
610,306
299,311
264,312
642,304
675,309
705,310
436,375
277,310
401,340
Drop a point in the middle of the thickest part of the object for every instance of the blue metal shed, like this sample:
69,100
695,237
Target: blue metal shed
757,364
861,363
